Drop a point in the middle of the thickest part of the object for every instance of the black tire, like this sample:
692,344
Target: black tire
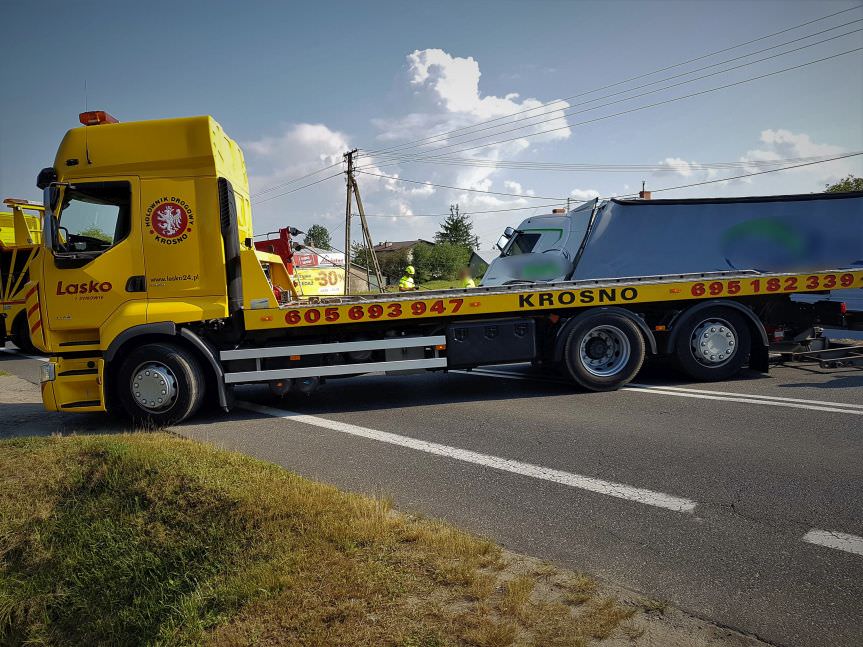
729,325
603,352
165,361
20,334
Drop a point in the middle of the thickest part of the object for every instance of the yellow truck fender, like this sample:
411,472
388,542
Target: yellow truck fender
167,330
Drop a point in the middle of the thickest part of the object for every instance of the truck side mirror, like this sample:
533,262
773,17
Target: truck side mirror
46,177
508,233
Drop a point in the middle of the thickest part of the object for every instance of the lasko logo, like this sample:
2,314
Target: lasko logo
170,220
92,287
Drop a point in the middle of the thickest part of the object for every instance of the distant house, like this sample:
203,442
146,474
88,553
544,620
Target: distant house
390,247
480,260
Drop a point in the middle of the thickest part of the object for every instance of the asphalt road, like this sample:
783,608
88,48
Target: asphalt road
739,502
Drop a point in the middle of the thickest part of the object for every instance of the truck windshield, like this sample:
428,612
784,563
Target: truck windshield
535,241
523,244
94,217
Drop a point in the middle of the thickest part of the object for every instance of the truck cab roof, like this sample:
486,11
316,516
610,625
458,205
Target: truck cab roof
182,147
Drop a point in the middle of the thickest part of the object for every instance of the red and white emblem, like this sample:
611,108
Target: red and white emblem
170,220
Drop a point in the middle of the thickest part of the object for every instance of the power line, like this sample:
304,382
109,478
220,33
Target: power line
658,103
273,197
468,213
573,201
634,78
459,188
296,179
567,113
737,177
595,167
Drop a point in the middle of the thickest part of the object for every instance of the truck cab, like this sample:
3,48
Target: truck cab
543,248
147,227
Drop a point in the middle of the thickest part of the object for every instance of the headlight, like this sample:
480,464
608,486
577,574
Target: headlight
47,372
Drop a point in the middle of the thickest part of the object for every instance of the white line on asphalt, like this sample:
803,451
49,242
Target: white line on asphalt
744,399
747,395
619,490
775,401
834,539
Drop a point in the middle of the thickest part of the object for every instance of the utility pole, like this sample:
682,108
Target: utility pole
354,188
367,236
349,158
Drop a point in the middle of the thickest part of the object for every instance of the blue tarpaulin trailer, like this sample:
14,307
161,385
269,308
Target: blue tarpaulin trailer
629,238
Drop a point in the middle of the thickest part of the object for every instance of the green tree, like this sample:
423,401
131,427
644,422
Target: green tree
441,261
95,232
393,264
318,236
849,183
360,254
457,229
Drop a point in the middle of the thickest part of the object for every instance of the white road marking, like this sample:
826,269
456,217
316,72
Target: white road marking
748,395
834,539
726,396
744,399
619,490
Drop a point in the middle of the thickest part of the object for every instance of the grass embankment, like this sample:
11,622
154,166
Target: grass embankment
149,539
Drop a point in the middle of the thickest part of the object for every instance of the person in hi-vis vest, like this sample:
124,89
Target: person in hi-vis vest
406,283
465,279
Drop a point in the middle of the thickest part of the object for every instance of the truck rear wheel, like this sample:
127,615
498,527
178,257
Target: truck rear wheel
20,334
713,345
604,351
160,384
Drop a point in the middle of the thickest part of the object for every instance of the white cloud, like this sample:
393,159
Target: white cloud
584,194
444,95
300,149
783,144
677,166
515,187
774,145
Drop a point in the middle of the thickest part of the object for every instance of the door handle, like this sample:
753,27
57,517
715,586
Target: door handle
136,283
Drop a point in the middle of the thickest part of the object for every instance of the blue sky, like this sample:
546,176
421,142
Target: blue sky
297,83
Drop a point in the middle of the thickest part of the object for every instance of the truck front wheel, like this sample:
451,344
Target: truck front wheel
160,384
20,334
713,345
604,351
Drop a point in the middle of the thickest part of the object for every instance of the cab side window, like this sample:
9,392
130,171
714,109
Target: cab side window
94,217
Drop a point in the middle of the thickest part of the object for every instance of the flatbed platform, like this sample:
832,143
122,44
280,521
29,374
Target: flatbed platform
517,299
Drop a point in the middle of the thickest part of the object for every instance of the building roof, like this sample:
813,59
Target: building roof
396,245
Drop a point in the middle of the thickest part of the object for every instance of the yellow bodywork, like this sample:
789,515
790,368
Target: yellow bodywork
20,235
492,301
172,164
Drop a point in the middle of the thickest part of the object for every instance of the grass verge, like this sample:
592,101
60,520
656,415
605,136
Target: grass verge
150,539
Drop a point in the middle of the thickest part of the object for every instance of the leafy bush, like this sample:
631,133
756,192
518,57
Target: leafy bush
441,261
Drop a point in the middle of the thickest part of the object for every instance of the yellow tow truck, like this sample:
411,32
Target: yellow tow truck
20,235
149,294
